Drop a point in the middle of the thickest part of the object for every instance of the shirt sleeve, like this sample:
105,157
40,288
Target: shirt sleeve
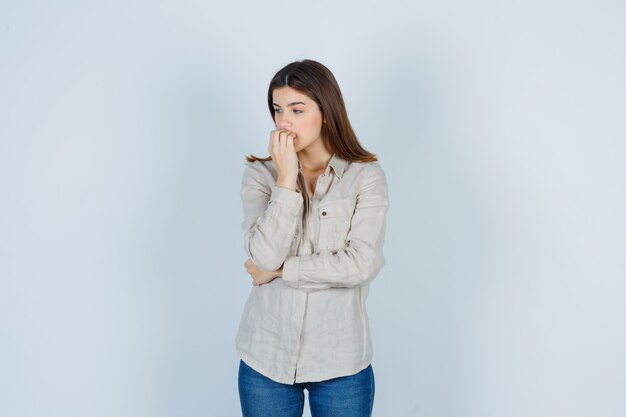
271,214
361,259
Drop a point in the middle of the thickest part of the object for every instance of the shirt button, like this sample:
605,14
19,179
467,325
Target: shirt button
323,213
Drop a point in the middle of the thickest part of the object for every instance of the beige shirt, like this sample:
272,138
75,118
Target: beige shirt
311,324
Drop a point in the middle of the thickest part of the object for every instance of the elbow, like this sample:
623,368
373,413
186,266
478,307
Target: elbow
265,261
370,271
264,255
268,264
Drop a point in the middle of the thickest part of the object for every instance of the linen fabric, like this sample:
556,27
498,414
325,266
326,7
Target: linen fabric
311,323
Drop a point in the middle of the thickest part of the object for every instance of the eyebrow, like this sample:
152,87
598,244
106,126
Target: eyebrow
291,104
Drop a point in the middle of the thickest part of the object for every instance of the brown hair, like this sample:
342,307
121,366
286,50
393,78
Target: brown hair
317,82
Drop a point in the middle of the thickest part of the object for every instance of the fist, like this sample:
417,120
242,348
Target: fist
259,276
283,153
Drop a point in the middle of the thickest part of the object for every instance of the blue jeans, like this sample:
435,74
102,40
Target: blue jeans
346,396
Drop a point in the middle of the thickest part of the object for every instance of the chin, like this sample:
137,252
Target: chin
299,148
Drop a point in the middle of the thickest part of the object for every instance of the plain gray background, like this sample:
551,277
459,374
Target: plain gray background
500,126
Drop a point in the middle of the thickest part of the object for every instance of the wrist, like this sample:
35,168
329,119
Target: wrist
289,183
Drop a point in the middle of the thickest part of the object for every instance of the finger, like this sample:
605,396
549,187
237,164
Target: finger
287,137
280,139
276,139
274,135
284,134
273,146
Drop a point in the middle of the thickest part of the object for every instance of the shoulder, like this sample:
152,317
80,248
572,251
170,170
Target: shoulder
255,165
256,168
368,183
365,179
258,174
367,170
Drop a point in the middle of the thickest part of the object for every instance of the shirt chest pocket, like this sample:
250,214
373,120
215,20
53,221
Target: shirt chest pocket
335,217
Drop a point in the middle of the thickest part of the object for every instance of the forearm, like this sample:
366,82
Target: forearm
348,267
268,237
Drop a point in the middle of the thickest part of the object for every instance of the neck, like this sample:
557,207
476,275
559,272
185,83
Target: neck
314,159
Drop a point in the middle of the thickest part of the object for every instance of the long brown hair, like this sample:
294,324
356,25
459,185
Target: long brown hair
318,83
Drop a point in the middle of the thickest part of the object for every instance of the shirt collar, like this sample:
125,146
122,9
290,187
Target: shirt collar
337,163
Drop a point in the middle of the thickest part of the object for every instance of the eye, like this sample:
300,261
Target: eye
297,111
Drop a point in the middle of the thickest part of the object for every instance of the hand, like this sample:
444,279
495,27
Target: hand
283,154
260,276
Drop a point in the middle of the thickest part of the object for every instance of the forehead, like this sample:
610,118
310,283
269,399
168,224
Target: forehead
284,95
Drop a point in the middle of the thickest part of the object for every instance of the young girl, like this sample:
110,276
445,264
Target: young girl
314,225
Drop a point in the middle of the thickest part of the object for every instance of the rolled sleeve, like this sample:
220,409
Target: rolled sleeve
271,215
361,259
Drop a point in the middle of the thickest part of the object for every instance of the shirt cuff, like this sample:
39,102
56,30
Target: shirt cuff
286,195
290,271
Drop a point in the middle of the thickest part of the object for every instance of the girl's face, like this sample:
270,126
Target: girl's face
298,113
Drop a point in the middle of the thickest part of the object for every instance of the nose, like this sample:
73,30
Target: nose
283,122
283,125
